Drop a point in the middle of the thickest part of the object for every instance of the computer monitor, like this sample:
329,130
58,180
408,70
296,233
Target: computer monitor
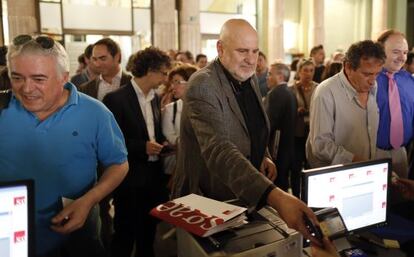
358,190
17,219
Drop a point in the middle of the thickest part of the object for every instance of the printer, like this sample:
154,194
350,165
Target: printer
266,235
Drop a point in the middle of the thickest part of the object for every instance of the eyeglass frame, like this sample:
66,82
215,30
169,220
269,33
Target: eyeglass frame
181,82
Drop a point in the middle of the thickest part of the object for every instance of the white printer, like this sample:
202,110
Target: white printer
266,235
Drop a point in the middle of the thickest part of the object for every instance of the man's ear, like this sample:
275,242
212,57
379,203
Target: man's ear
65,77
118,57
347,67
219,46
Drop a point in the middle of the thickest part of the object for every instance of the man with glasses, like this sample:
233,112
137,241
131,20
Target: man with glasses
55,135
137,110
106,57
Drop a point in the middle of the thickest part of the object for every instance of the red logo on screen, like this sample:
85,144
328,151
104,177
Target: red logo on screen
20,200
19,236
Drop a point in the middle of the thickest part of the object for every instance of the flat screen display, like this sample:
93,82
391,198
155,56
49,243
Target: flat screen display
358,190
16,218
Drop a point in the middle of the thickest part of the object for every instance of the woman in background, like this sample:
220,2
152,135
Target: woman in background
303,90
178,79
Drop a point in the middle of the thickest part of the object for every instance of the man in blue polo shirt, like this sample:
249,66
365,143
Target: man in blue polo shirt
395,99
56,136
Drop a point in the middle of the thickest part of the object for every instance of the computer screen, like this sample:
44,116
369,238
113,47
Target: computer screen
358,190
16,219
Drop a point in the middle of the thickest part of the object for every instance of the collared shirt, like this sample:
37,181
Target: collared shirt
146,109
60,153
405,84
105,87
340,127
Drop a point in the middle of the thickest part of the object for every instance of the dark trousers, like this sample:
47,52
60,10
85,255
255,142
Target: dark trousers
132,222
286,174
299,162
84,242
282,179
295,182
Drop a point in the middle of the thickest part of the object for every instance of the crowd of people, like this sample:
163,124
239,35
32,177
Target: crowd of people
167,125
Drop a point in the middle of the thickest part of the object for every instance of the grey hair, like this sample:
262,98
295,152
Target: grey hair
283,69
33,48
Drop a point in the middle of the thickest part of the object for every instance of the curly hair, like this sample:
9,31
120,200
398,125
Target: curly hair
364,50
185,71
149,59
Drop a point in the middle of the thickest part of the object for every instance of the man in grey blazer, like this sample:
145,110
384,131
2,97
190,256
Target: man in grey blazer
224,132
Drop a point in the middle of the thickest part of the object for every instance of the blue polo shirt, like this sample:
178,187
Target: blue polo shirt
405,84
60,153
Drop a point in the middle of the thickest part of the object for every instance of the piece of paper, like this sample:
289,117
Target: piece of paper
66,201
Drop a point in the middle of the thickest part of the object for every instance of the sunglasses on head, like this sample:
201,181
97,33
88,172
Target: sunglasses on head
43,41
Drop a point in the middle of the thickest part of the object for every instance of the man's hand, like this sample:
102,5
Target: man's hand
72,217
405,187
328,249
153,148
358,158
292,211
268,168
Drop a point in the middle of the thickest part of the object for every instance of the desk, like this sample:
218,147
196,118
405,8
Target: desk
380,253
373,250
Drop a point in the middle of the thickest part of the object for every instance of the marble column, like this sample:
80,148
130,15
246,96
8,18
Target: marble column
276,16
22,17
189,26
317,23
379,17
164,24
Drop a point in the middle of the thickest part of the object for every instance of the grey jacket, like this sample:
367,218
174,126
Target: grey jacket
214,144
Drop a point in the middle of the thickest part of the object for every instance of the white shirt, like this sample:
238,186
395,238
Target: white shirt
146,109
105,87
172,130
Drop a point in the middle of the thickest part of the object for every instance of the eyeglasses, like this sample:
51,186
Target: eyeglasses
43,41
179,82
